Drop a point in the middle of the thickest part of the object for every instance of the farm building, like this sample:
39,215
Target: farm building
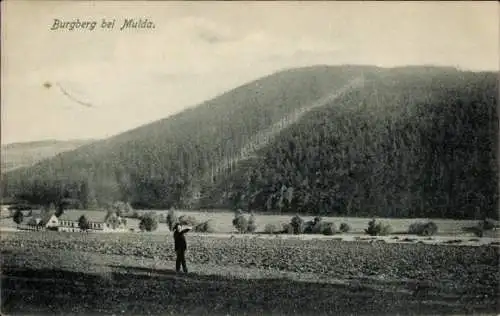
41,222
97,221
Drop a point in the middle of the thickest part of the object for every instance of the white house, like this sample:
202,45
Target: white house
97,220
41,222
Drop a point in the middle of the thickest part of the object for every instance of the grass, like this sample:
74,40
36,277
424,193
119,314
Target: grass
223,221
70,273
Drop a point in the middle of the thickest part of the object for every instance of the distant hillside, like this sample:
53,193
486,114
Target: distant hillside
25,154
353,140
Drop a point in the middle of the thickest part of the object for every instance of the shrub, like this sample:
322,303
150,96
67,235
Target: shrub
205,227
423,229
83,223
344,228
121,208
482,227
271,229
240,222
114,220
148,222
244,224
252,226
18,217
328,228
378,229
171,219
297,224
313,227
488,224
287,228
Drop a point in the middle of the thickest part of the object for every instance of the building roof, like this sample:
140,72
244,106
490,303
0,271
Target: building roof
33,221
92,216
40,219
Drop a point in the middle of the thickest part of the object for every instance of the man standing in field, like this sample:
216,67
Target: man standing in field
180,247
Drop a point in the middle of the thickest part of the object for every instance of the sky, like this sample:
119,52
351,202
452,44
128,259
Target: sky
198,50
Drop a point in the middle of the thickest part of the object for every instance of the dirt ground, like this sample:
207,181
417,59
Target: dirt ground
88,276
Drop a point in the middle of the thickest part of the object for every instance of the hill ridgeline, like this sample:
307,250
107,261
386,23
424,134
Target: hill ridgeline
336,140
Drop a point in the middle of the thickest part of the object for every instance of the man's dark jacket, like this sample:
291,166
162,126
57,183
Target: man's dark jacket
180,240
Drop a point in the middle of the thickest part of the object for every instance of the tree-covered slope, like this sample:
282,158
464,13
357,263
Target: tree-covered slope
412,141
409,144
155,165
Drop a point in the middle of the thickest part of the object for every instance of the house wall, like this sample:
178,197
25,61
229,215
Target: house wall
68,229
53,222
109,228
29,227
72,226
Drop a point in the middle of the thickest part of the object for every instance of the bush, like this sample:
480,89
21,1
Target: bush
378,229
244,224
171,219
148,222
240,223
122,208
287,228
313,227
205,227
482,227
297,225
344,228
423,229
328,228
252,226
18,217
83,223
114,220
271,229
488,224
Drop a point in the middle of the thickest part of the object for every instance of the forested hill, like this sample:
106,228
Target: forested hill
353,140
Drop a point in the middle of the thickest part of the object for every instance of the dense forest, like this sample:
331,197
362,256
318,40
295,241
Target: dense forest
407,142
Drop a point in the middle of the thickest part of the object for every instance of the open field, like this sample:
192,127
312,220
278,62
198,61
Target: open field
75,273
223,222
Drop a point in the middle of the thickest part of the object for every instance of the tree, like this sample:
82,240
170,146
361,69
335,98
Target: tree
171,219
252,225
148,222
83,223
113,219
244,224
122,208
49,210
240,222
297,224
60,207
18,217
